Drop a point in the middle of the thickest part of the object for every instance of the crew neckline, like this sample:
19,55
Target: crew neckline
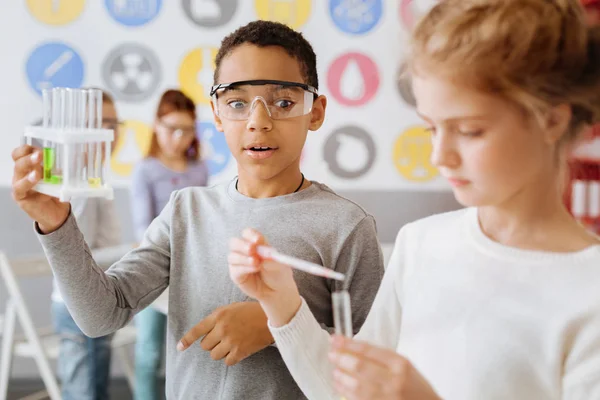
270,201
481,240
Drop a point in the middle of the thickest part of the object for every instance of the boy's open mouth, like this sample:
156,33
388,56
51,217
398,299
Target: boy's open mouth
260,148
259,152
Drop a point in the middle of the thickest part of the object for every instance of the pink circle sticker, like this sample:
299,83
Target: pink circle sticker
353,79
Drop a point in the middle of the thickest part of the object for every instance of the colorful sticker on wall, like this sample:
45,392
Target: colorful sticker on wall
133,12
355,16
54,64
412,10
293,13
412,153
210,13
132,146
55,12
405,87
353,79
349,152
132,72
214,147
196,74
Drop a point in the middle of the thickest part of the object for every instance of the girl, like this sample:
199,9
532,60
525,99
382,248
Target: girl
173,163
499,300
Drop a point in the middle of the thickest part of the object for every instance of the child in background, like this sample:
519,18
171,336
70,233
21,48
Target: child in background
499,300
173,163
84,362
265,100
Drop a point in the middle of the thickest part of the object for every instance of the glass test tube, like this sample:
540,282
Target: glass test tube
80,126
72,173
46,118
52,108
342,313
594,199
95,149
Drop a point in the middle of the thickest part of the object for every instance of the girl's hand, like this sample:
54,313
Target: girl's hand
267,281
362,371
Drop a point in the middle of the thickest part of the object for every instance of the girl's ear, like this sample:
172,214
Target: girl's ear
557,123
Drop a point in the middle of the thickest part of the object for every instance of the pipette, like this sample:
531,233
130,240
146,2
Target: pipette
306,266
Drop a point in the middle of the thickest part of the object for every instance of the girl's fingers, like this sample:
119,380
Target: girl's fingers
254,237
239,273
237,245
242,260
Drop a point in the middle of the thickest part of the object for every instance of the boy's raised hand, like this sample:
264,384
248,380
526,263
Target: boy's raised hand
269,282
47,211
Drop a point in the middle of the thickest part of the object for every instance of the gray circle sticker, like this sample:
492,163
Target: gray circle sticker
210,13
350,152
405,87
131,72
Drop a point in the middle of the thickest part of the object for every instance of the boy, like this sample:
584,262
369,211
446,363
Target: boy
265,100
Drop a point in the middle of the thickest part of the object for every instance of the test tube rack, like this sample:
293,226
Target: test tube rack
76,149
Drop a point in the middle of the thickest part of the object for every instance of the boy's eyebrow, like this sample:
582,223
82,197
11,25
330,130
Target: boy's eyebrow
233,88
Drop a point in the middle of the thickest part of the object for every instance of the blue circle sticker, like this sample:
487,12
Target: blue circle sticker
54,65
133,12
355,16
215,151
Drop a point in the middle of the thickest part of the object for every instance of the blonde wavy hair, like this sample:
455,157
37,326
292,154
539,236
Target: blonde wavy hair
536,53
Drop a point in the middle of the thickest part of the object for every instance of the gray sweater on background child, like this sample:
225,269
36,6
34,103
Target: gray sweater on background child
186,248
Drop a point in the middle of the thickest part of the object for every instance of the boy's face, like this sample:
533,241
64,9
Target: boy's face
284,138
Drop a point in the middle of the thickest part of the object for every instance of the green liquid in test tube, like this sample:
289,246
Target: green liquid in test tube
48,163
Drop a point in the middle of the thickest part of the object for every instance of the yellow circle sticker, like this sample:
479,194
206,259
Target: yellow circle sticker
55,12
196,74
411,155
293,13
132,145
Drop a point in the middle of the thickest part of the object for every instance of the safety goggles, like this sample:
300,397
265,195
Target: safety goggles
282,99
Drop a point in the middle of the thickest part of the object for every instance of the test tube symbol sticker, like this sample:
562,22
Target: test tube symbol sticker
342,313
54,67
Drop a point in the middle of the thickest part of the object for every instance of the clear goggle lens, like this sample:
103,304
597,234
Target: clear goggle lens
282,101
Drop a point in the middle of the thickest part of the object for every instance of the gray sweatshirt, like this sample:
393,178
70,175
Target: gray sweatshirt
186,248
98,221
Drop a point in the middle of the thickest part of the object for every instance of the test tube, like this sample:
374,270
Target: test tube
594,199
91,114
47,107
98,161
578,200
51,153
47,153
342,313
73,172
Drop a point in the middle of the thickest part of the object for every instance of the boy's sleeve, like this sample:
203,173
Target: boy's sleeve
142,209
361,260
103,302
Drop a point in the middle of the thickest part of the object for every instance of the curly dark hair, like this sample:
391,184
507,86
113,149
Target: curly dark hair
268,33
